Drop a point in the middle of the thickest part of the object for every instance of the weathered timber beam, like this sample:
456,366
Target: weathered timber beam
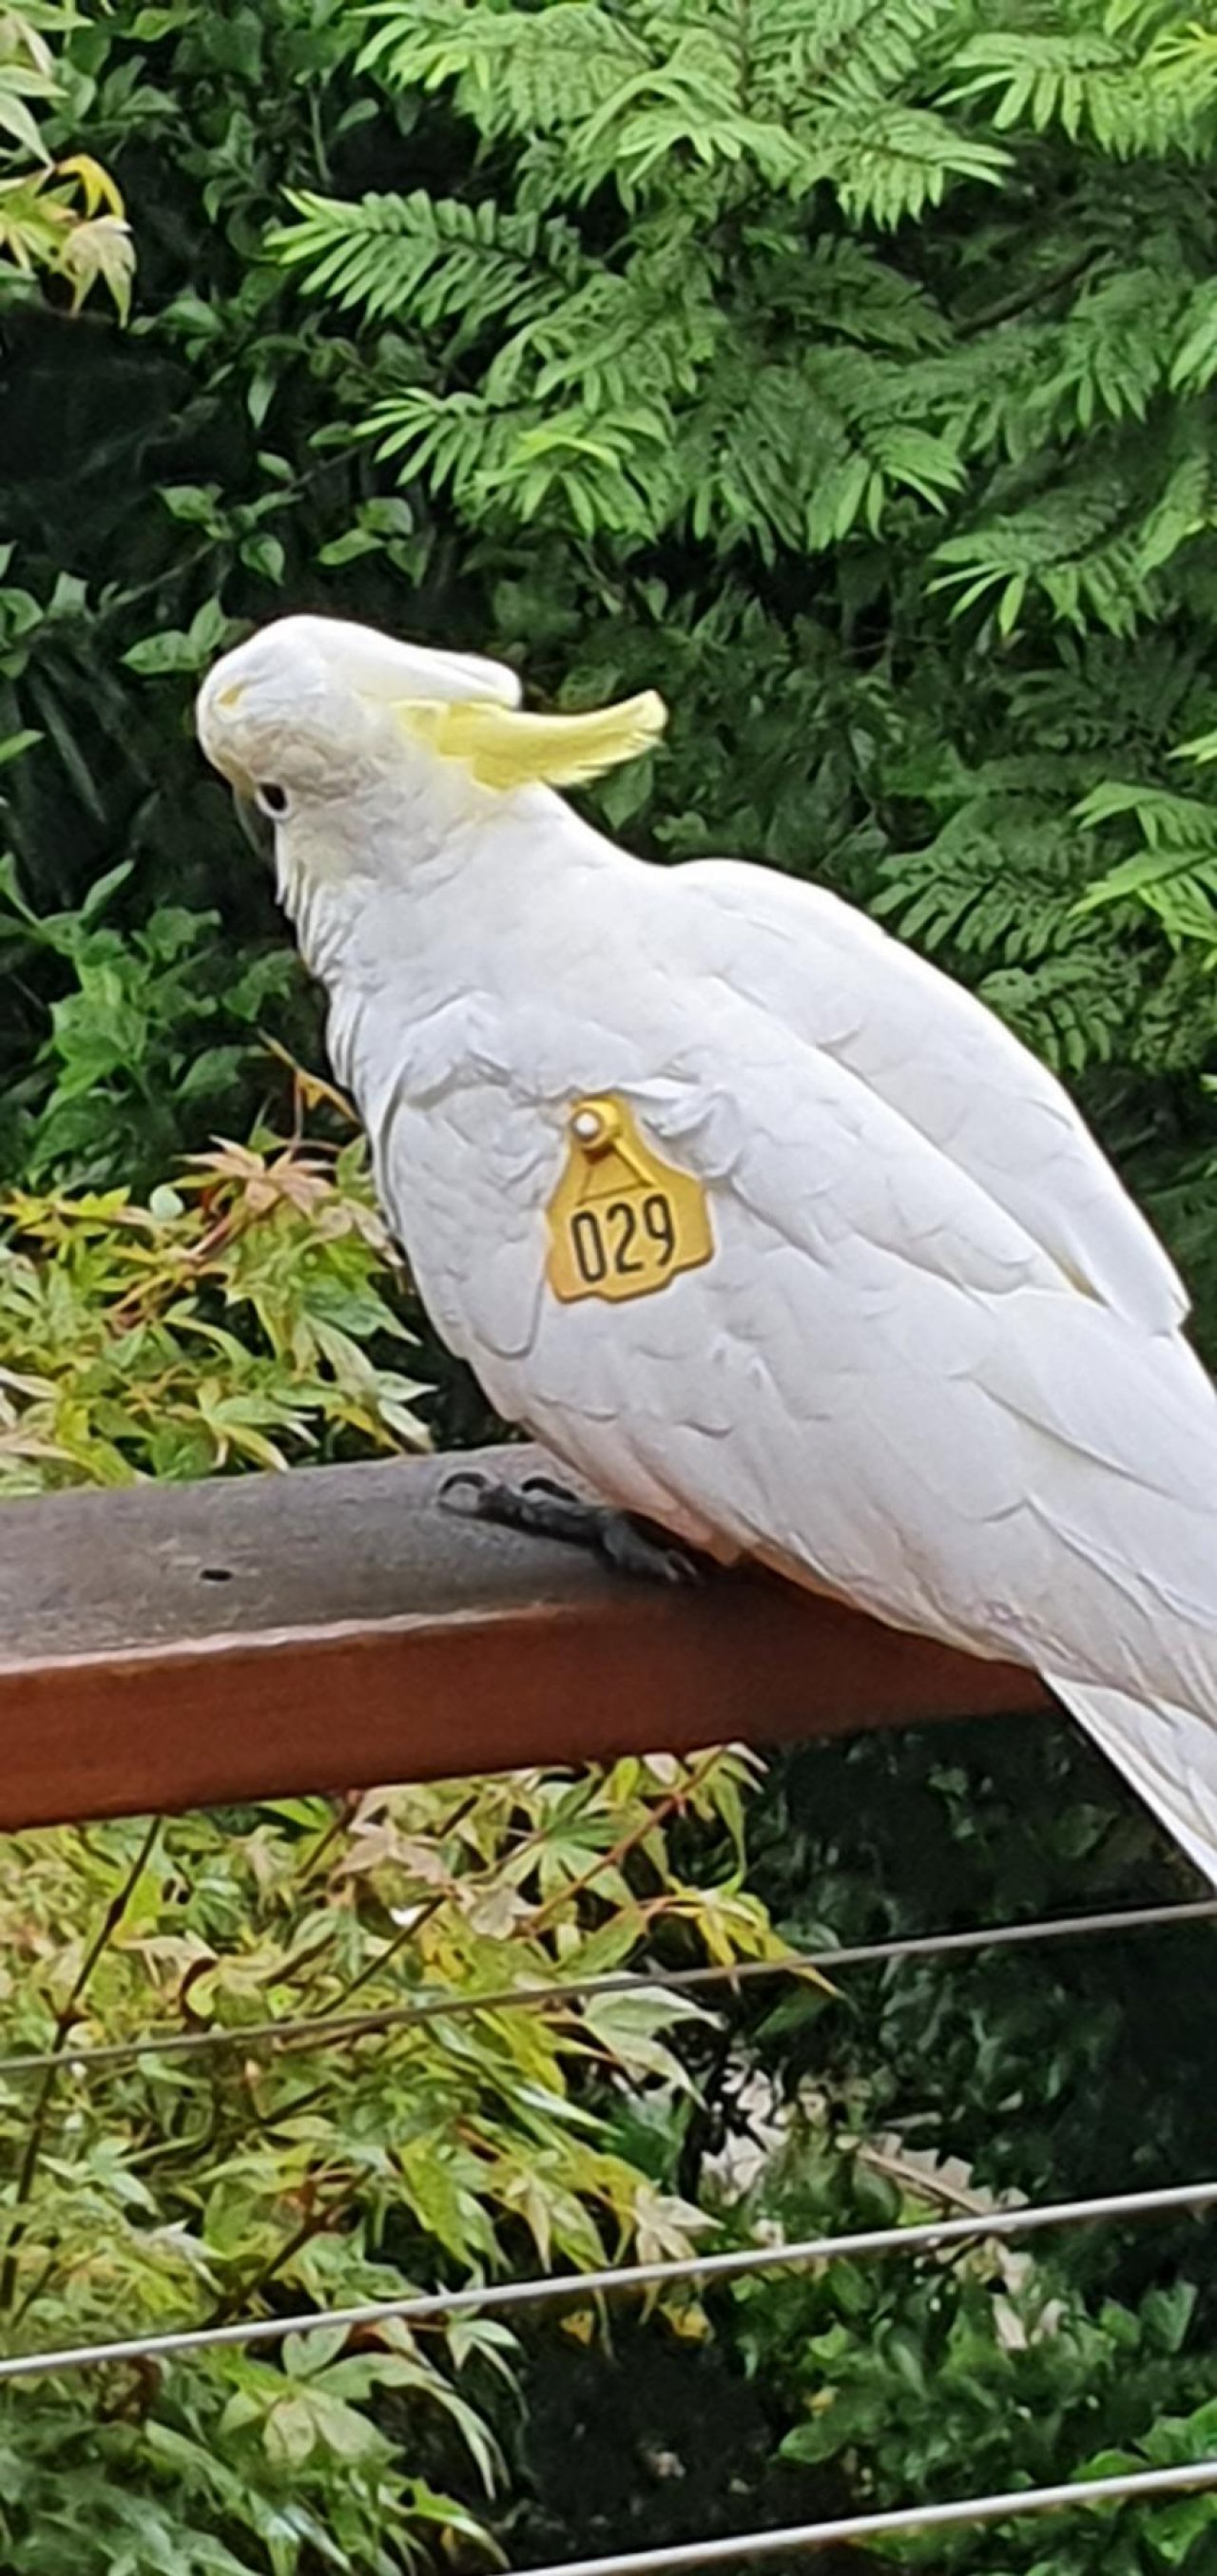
183,1646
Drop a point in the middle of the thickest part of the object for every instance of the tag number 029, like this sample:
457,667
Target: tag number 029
624,1240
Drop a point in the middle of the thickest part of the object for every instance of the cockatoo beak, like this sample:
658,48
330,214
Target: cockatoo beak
256,828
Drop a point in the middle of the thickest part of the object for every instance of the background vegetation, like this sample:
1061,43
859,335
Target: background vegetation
846,365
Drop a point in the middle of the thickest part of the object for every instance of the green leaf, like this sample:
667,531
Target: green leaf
265,555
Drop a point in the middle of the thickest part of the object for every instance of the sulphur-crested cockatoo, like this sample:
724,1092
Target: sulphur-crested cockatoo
760,1223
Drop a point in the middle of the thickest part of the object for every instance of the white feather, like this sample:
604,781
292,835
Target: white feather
1167,1754
948,1065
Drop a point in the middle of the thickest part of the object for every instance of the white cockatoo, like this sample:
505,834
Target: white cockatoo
760,1223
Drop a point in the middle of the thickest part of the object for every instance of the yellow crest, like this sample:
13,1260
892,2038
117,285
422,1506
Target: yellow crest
504,748
622,1222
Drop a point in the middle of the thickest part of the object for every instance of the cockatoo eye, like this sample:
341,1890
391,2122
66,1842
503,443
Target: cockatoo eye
271,800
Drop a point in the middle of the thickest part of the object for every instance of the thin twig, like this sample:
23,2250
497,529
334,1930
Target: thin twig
318,2223
676,1799
1024,298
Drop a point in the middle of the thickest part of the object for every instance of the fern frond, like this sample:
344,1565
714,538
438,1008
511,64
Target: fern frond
879,45
1001,879
1099,698
1193,364
1001,882
800,456
1172,872
592,471
1175,1024
1076,543
515,72
750,456
1181,508
1111,355
431,261
1181,65
1168,823
790,53
647,335
798,96
885,163
838,288
439,439
1083,80
1071,1010
640,145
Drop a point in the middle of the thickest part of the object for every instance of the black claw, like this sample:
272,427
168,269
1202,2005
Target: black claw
634,1548
535,1506
541,1508
467,1476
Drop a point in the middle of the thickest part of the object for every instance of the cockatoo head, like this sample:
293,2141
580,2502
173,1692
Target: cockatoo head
314,715
311,707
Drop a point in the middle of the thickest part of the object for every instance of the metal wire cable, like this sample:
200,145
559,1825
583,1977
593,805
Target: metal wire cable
1133,2483
334,2027
496,2298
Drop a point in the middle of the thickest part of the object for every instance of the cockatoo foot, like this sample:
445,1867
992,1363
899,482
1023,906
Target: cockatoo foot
544,1509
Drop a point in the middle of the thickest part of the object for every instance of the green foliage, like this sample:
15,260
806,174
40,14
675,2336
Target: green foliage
909,2381
163,2189
656,384
224,1324
951,2086
144,1030
941,2087
60,218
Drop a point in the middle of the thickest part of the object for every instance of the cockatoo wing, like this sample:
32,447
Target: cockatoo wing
1040,1477
930,1049
935,1053
882,1383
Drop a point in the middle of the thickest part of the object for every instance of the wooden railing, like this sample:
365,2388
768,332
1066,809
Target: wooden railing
183,1646
192,1645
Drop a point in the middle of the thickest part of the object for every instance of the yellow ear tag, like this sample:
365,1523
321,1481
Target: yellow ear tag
621,1222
